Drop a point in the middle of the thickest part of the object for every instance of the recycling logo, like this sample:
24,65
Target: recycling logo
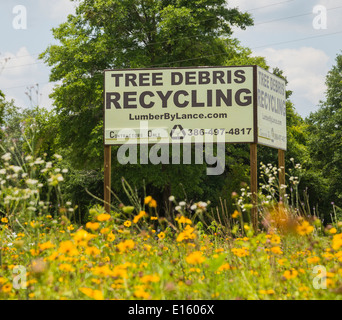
177,132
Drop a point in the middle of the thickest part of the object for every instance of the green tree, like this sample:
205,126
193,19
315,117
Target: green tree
108,34
325,139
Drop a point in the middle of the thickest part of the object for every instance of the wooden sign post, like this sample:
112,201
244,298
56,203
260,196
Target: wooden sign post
107,176
281,166
254,184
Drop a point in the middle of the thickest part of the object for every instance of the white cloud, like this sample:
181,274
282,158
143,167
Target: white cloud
19,73
266,5
57,9
45,101
305,69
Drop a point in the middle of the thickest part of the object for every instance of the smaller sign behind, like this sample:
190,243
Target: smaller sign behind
271,104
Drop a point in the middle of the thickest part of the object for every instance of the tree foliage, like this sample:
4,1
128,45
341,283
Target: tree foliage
130,34
325,137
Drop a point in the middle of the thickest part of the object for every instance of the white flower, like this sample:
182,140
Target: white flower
7,157
178,208
39,161
182,203
57,170
16,168
193,207
65,170
68,203
202,204
57,156
31,181
28,158
171,198
60,178
2,171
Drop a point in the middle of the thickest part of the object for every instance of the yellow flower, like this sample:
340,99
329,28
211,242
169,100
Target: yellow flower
111,237
103,217
305,228
127,223
141,293
269,292
161,235
338,255
240,252
102,271
276,250
186,234
125,245
182,219
195,258
104,230
120,271
312,260
337,241
303,289
34,224
92,251
92,225
224,267
68,247
153,203
4,220
34,252
154,218
46,245
150,278
66,267
275,239
6,288
333,230
53,256
94,294
290,274
82,237
235,214
147,199
139,216
282,261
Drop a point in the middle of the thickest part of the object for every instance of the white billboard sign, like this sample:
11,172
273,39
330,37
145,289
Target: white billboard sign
242,104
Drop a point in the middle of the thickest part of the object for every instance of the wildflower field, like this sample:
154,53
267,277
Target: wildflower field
133,253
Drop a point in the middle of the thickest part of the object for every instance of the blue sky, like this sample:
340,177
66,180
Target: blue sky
283,33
